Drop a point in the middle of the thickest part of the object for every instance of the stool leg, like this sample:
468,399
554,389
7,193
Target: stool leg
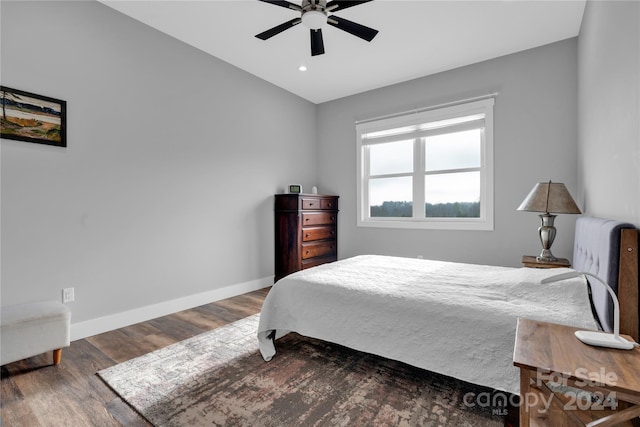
57,356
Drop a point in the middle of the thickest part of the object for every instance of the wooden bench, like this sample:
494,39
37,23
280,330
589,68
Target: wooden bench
30,329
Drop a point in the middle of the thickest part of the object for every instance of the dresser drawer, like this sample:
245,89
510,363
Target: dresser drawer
312,250
313,203
318,218
328,204
318,233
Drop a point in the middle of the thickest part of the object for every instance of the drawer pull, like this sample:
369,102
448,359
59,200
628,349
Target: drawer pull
307,235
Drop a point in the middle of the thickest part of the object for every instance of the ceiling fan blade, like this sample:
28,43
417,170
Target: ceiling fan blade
317,45
278,29
285,4
351,27
336,5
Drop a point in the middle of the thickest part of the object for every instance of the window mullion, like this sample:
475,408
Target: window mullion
419,166
366,178
391,175
450,171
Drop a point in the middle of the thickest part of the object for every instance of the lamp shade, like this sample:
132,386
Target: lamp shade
549,197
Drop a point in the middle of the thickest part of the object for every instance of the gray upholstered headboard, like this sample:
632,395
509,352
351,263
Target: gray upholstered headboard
597,250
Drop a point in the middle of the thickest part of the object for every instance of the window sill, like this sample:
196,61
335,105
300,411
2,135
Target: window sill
435,224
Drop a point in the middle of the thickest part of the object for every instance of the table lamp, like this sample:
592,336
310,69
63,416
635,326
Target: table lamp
600,339
548,197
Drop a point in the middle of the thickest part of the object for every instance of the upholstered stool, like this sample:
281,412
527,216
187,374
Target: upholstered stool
30,329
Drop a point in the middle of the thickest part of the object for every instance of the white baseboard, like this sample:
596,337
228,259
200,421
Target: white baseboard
119,320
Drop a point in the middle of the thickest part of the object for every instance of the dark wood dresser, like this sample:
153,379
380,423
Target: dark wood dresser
306,232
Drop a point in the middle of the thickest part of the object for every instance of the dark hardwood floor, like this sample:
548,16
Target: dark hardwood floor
36,393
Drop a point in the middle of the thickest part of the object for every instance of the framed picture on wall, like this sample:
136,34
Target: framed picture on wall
33,118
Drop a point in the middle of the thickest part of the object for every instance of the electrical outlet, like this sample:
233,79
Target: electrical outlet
68,295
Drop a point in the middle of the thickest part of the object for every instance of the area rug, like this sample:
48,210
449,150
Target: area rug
218,378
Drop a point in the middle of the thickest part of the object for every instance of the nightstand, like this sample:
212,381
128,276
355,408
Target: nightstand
531,262
549,352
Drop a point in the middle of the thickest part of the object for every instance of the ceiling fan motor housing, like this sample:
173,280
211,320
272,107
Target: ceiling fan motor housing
314,14
314,4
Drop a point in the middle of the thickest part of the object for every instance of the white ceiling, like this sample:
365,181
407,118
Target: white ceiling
416,38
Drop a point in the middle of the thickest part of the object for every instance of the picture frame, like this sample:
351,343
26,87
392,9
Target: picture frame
294,189
34,118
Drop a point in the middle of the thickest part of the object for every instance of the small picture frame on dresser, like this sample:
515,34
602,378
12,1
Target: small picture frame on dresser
293,189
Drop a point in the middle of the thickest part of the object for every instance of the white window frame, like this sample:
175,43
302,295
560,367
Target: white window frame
418,221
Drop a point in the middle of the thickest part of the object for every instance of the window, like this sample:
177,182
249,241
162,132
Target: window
432,169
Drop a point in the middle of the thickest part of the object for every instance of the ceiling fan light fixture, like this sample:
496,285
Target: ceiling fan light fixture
314,19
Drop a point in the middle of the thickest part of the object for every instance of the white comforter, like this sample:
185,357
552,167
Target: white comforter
455,319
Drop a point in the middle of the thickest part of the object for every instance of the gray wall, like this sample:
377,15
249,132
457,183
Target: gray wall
609,110
166,187
535,140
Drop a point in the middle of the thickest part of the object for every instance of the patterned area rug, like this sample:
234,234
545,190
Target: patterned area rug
219,379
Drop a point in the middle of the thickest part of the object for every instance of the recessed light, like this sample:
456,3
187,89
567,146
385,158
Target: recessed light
302,68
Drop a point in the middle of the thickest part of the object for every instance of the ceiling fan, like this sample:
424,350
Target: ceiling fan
314,14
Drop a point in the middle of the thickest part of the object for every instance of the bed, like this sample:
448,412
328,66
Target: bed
452,318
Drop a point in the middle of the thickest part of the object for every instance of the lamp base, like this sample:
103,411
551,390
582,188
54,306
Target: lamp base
547,234
546,256
604,339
